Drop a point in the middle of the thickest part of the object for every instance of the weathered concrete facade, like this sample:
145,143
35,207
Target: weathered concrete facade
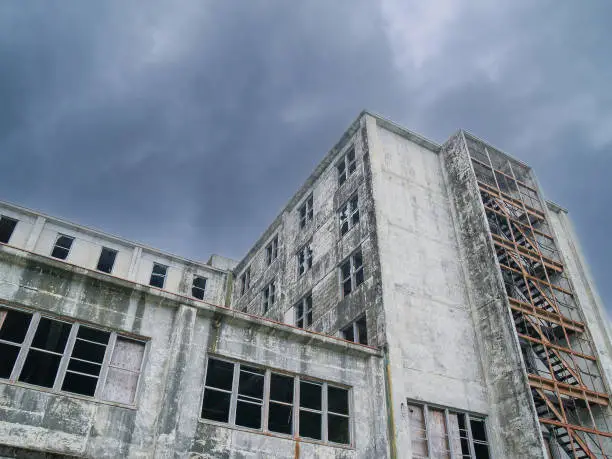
380,286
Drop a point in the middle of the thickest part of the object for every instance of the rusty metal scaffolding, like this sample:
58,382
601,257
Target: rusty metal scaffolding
563,372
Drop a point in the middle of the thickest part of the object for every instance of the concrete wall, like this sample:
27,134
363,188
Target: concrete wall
181,333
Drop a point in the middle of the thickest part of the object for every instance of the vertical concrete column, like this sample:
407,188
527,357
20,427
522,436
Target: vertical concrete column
136,254
35,233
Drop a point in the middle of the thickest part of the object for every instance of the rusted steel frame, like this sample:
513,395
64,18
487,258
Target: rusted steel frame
576,427
504,174
537,279
517,222
558,347
510,200
543,314
532,255
535,245
537,382
550,404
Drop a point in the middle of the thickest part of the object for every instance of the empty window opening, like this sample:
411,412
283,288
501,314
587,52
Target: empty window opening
356,331
349,215
245,281
158,275
198,287
311,412
218,390
338,425
306,213
269,296
303,312
351,272
272,251
106,260
7,226
62,246
82,348
280,411
304,258
250,397
346,166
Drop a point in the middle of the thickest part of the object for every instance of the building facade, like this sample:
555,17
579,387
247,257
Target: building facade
412,300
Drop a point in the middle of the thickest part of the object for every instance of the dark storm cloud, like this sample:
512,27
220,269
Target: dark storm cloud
188,125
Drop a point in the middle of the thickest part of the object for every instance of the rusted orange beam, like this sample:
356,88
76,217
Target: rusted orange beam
543,314
556,346
537,382
532,255
575,427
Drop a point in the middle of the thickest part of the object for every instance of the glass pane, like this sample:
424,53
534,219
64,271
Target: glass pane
51,335
220,374
478,430
281,388
159,269
14,326
310,425
79,384
482,451
310,395
8,356
337,400
88,351
40,368
251,384
280,418
248,415
216,405
64,242
128,354
91,334
120,386
338,429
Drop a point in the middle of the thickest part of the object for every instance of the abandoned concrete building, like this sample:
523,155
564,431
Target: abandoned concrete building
412,300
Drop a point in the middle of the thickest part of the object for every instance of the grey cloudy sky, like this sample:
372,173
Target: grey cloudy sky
187,125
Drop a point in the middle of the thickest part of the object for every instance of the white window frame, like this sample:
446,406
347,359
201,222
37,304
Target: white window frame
66,356
306,212
68,249
202,289
354,271
346,167
349,214
295,404
306,304
157,275
304,259
272,250
269,294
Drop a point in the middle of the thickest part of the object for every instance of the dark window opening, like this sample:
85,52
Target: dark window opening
303,312
348,333
198,288
280,418
220,374
8,357
338,426
310,395
272,251
304,259
356,331
14,325
218,390
338,429
158,275
306,212
310,424
216,406
245,281
7,226
106,260
269,296
51,335
351,273
346,166
62,246
40,368
250,397
349,215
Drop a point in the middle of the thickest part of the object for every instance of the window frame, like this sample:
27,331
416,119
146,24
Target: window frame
68,249
272,250
269,295
308,254
9,219
202,289
112,266
353,325
295,404
306,212
307,308
67,356
164,277
346,167
468,418
245,281
350,214
353,272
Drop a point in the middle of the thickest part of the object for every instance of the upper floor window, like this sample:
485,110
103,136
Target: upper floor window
62,246
245,281
346,166
7,226
440,432
269,296
198,287
306,212
303,312
304,258
106,260
349,214
351,273
272,251
68,357
356,331
242,395
158,275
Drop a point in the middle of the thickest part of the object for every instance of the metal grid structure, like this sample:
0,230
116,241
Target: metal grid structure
563,372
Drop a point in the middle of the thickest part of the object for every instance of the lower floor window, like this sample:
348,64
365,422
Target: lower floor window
442,433
69,357
261,399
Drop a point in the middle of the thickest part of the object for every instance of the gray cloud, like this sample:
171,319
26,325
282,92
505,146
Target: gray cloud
188,125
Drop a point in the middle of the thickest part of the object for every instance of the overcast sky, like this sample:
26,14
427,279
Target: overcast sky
187,125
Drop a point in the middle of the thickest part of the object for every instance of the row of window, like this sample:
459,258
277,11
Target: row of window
267,401
69,357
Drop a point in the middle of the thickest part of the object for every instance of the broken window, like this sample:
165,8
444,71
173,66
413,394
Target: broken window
62,246
198,287
7,226
349,214
269,296
323,409
158,275
106,260
356,331
45,343
443,433
346,166
306,212
303,312
272,251
304,258
245,281
351,272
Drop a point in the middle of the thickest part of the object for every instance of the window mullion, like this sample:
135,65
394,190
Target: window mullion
234,398
324,412
427,433
25,347
296,407
448,434
61,371
110,348
468,426
266,401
